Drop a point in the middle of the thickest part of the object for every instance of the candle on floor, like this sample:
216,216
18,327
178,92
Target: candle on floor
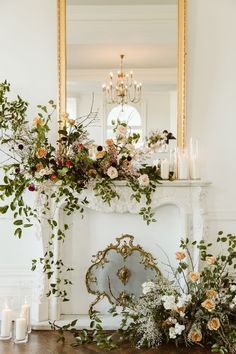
183,164
25,310
6,322
20,329
165,169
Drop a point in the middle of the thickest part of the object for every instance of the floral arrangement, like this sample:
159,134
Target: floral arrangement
159,139
63,170
196,308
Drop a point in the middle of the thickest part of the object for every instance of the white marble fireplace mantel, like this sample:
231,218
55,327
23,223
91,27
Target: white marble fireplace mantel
188,196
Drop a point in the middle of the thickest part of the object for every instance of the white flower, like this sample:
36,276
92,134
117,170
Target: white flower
148,286
233,288
130,148
169,302
45,171
179,328
143,180
112,172
176,330
172,333
121,130
183,299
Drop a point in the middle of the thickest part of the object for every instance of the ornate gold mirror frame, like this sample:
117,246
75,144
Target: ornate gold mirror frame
182,123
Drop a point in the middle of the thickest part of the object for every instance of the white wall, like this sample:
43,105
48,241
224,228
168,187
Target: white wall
28,60
211,103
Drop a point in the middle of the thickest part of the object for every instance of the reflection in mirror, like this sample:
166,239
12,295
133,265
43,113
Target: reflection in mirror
146,32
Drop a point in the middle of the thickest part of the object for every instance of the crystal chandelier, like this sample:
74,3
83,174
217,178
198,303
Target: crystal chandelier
123,89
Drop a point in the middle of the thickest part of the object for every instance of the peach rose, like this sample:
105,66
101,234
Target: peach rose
210,260
213,324
65,116
194,276
42,152
211,293
38,121
180,255
109,142
208,305
71,121
100,154
39,166
195,336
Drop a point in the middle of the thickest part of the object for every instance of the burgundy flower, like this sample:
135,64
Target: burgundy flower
31,187
81,146
20,146
17,170
68,163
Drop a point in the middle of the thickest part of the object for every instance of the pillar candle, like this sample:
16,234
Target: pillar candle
183,165
6,322
165,169
21,328
25,310
194,167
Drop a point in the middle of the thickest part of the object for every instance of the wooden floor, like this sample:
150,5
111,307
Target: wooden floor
44,342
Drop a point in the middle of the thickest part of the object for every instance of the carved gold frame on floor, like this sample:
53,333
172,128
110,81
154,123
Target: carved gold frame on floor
182,56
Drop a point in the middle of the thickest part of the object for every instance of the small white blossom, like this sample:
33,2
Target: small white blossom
148,287
130,148
169,302
176,330
183,299
143,180
233,288
172,333
179,328
121,130
112,172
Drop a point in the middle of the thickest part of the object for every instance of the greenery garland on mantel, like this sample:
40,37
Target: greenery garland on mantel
62,172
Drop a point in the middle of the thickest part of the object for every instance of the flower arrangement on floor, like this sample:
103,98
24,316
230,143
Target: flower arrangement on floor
196,308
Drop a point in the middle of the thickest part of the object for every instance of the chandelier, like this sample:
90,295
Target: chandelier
123,89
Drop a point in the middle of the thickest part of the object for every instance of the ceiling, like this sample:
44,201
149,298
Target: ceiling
96,35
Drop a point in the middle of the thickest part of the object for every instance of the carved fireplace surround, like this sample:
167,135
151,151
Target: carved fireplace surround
188,196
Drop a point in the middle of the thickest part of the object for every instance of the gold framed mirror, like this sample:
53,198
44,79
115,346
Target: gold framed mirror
181,121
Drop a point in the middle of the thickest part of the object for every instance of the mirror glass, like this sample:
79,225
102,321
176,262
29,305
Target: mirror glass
146,33
108,277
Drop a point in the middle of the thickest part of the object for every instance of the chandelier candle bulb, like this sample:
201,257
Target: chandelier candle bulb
183,164
6,323
165,169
